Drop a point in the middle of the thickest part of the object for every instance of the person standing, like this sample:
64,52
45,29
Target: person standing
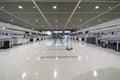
61,38
55,38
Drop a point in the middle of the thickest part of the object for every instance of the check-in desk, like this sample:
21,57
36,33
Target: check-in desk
81,37
17,40
6,42
110,41
32,39
26,39
38,38
91,39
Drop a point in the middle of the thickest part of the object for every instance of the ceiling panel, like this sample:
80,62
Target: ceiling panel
85,11
58,0
61,6
90,6
13,6
28,15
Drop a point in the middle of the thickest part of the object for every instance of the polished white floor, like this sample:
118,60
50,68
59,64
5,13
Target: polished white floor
45,60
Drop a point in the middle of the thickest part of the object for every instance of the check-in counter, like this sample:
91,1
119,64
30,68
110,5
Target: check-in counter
17,40
91,39
26,40
110,41
34,39
6,42
81,37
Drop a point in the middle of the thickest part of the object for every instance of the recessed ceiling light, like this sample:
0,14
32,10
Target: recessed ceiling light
96,7
2,7
33,7
109,7
11,20
56,20
54,7
20,7
36,20
80,20
79,7
99,20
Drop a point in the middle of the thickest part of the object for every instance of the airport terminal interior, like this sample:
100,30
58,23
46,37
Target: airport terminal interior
59,39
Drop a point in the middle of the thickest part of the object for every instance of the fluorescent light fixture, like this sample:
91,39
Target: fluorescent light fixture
96,7
54,7
20,7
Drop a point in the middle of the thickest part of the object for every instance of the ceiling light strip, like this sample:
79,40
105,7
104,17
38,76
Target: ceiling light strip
41,12
17,17
72,13
99,15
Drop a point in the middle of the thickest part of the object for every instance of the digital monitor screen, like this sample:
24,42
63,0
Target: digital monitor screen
67,31
47,32
57,31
